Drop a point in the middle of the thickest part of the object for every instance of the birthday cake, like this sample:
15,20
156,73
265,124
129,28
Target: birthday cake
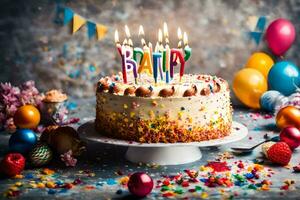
196,109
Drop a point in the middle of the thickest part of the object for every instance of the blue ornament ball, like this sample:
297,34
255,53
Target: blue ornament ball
283,77
22,141
270,99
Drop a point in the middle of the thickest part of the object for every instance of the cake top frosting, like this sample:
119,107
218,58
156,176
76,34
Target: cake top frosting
54,96
190,85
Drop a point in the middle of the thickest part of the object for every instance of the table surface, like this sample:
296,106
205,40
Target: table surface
102,166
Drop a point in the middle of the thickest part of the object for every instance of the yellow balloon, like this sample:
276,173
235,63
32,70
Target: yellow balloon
261,62
248,85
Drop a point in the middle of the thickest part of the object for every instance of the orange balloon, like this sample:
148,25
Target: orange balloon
261,62
248,85
288,116
27,116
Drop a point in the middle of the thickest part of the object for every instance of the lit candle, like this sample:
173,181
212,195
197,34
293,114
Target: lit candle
157,63
128,63
138,54
137,51
177,57
127,32
166,54
187,49
179,34
117,42
146,63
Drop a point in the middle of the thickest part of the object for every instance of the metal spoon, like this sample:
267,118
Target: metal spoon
248,150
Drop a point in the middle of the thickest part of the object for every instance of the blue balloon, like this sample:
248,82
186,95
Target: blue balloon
283,77
22,141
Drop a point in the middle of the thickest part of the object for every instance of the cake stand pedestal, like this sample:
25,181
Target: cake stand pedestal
162,153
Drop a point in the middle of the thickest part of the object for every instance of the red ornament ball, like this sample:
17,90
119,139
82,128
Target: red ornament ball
12,164
27,116
140,184
291,136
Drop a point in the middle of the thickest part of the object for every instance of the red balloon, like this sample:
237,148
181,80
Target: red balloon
291,136
140,184
280,35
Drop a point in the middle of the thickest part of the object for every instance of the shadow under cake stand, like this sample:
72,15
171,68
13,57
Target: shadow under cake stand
162,153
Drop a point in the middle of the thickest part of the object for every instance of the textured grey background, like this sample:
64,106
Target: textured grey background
32,46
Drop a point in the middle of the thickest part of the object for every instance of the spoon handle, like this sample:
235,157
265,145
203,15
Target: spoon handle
273,139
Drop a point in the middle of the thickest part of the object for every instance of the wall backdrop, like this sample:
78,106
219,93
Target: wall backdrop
34,45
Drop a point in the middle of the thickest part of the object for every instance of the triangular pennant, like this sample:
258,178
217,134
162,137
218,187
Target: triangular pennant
78,22
256,36
261,23
68,15
101,31
91,29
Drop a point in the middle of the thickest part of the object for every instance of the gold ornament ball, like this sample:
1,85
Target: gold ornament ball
288,116
27,116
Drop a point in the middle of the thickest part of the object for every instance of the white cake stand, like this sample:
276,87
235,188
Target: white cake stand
162,153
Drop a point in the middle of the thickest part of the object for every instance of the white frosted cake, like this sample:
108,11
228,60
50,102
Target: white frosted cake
197,108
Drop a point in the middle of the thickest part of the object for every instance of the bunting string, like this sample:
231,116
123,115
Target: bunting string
65,16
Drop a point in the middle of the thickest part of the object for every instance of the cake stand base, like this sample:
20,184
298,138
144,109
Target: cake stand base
164,155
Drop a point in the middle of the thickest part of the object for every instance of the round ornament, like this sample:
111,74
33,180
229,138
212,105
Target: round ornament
12,164
291,136
140,184
288,116
40,155
248,85
272,99
22,141
261,62
284,77
27,116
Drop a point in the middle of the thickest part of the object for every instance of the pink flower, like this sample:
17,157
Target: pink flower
11,98
68,159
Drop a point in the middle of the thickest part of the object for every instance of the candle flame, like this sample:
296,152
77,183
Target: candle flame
185,39
143,42
180,44
160,36
156,47
141,30
117,37
127,32
130,43
166,32
179,33
125,42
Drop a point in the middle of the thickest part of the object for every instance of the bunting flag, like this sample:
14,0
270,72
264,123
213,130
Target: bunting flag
91,29
256,34
261,23
68,15
79,21
101,31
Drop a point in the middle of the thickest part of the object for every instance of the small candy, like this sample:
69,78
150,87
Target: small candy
140,184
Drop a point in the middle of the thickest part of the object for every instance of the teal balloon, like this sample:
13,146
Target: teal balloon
22,141
284,77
